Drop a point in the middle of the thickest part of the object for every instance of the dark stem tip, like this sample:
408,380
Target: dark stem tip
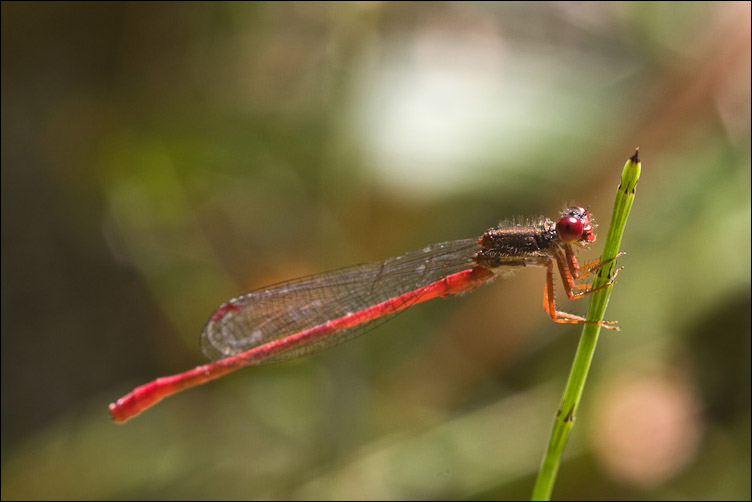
636,157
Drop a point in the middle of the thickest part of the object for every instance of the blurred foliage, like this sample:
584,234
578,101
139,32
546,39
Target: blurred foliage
159,158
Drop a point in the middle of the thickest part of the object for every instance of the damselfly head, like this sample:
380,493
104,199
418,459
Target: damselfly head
574,226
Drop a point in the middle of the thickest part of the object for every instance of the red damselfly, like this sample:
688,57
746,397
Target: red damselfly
309,314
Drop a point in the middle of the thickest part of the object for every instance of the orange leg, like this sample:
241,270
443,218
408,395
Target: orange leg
568,269
571,271
549,305
577,271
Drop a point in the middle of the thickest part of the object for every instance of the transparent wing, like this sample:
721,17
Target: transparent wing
290,307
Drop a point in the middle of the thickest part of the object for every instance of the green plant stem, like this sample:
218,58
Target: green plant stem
570,401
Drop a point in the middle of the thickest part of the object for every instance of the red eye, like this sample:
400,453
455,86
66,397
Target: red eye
569,229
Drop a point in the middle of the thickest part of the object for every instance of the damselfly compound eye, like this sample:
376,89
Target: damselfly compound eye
581,214
569,229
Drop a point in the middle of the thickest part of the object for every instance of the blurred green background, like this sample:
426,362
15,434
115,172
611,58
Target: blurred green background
160,158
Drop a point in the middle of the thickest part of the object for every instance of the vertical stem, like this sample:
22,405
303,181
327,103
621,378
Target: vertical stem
586,349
